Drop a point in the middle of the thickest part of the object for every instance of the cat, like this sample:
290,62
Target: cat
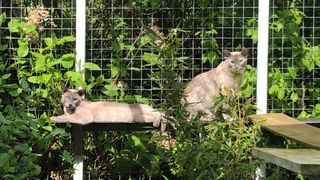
200,92
78,110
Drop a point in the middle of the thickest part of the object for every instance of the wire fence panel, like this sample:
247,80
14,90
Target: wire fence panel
294,57
116,28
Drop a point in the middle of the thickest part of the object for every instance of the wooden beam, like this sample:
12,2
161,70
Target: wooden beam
303,161
290,128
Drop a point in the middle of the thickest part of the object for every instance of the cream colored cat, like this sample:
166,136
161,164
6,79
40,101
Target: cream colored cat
199,94
78,110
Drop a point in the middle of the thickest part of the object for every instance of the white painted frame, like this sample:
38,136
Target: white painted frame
77,132
262,70
262,58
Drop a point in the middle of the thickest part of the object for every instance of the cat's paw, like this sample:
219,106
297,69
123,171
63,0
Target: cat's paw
156,123
54,118
227,117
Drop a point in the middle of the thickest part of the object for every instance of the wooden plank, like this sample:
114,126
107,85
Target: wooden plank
303,161
290,128
119,127
113,126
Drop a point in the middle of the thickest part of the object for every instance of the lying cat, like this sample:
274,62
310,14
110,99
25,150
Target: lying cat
199,94
78,110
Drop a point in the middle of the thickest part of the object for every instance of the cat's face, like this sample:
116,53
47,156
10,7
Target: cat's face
71,98
237,61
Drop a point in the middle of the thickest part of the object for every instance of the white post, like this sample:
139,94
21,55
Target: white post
77,138
80,34
80,59
262,70
261,170
263,49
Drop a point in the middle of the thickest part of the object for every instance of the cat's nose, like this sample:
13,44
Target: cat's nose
69,105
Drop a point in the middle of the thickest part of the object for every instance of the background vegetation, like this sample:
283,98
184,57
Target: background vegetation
145,51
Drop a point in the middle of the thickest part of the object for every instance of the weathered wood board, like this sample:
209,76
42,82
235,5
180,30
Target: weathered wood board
303,161
290,128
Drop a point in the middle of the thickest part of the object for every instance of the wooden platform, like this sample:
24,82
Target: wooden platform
114,126
303,161
290,128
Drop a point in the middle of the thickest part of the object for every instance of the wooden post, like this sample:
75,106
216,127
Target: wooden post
77,138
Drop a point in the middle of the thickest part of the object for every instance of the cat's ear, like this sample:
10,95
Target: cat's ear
226,53
63,89
245,52
82,92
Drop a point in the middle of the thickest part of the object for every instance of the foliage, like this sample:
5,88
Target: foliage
29,85
220,151
22,141
165,53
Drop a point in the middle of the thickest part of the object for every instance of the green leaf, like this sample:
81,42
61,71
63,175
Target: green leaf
114,71
49,42
44,93
68,60
3,47
40,65
15,92
75,77
57,131
211,57
14,25
48,128
145,40
4,159
23,49
281,94
66,39
91,66
304,114
294,97
136,140
24,148
292,72
100,79
46,78
273,89
6,76
35,79
110,90
2,18
67,156
151,58
253,33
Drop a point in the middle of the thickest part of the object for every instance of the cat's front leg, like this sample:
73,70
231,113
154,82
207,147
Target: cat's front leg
59,119
65,118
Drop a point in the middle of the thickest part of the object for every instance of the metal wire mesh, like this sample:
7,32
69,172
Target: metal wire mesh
120,20
288,47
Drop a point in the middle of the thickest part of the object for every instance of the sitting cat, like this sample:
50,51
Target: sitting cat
199,94
78,110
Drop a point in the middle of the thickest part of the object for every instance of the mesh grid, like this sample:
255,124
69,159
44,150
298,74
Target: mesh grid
288,47
121,23
108,21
